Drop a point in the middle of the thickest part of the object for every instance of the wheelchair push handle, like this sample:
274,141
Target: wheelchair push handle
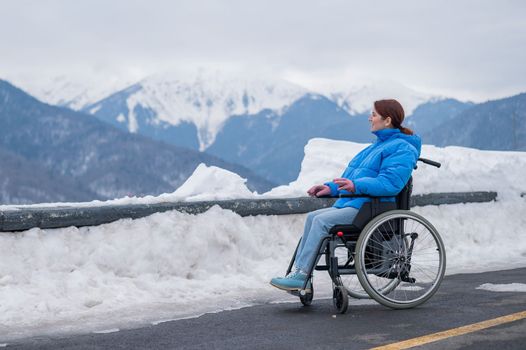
430,162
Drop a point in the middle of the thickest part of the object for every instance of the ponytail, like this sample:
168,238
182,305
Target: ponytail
406,131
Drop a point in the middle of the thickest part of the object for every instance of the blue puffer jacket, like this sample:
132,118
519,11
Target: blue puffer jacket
382,169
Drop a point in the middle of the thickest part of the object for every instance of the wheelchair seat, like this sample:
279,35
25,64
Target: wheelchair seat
371,209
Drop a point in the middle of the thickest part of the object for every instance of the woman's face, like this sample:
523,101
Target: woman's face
378,122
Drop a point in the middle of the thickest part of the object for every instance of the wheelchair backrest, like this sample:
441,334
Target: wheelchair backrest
403,199
371,209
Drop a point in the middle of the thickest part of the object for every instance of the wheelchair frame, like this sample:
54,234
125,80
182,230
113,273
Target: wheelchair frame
378,245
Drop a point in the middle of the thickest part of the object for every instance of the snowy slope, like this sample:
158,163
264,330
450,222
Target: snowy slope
205,98
359,99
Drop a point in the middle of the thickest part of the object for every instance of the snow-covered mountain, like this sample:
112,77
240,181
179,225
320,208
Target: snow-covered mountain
189,108
359,99
73,93
205,99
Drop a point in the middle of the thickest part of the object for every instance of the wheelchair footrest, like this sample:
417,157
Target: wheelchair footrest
322,268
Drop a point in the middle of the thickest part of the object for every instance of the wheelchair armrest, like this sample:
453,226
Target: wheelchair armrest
350,195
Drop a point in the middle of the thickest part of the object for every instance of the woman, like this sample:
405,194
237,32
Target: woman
382,169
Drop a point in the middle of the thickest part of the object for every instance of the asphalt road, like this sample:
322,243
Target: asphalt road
290,325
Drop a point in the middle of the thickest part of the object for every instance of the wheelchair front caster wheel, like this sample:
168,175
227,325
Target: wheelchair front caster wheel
340,299
306,299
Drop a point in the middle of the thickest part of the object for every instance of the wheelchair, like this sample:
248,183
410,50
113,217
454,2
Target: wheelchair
388,253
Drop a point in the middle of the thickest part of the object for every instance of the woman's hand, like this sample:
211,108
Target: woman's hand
344,184
319,190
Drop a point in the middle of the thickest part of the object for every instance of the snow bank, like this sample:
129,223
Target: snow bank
463,169
207,183
509,287
163,266
172,265
212,183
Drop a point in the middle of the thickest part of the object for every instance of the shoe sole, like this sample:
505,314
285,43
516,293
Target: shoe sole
290,289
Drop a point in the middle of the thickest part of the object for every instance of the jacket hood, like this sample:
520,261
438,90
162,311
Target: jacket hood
414,140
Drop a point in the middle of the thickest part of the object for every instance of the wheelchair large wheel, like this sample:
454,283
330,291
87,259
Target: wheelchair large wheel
346,259
400,246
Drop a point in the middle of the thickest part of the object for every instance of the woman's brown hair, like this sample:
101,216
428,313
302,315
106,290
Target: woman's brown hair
394,110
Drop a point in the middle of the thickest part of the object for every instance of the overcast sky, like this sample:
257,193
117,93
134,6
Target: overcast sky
465,49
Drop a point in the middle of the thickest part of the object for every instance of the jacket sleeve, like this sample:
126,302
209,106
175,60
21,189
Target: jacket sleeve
348,171
394,173
334,189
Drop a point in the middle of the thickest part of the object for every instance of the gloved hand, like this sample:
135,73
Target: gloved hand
344,184
319,190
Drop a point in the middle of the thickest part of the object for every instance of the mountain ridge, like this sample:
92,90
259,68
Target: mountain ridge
206,100
190,107
493,125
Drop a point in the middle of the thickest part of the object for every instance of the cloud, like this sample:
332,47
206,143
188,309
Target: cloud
470,49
